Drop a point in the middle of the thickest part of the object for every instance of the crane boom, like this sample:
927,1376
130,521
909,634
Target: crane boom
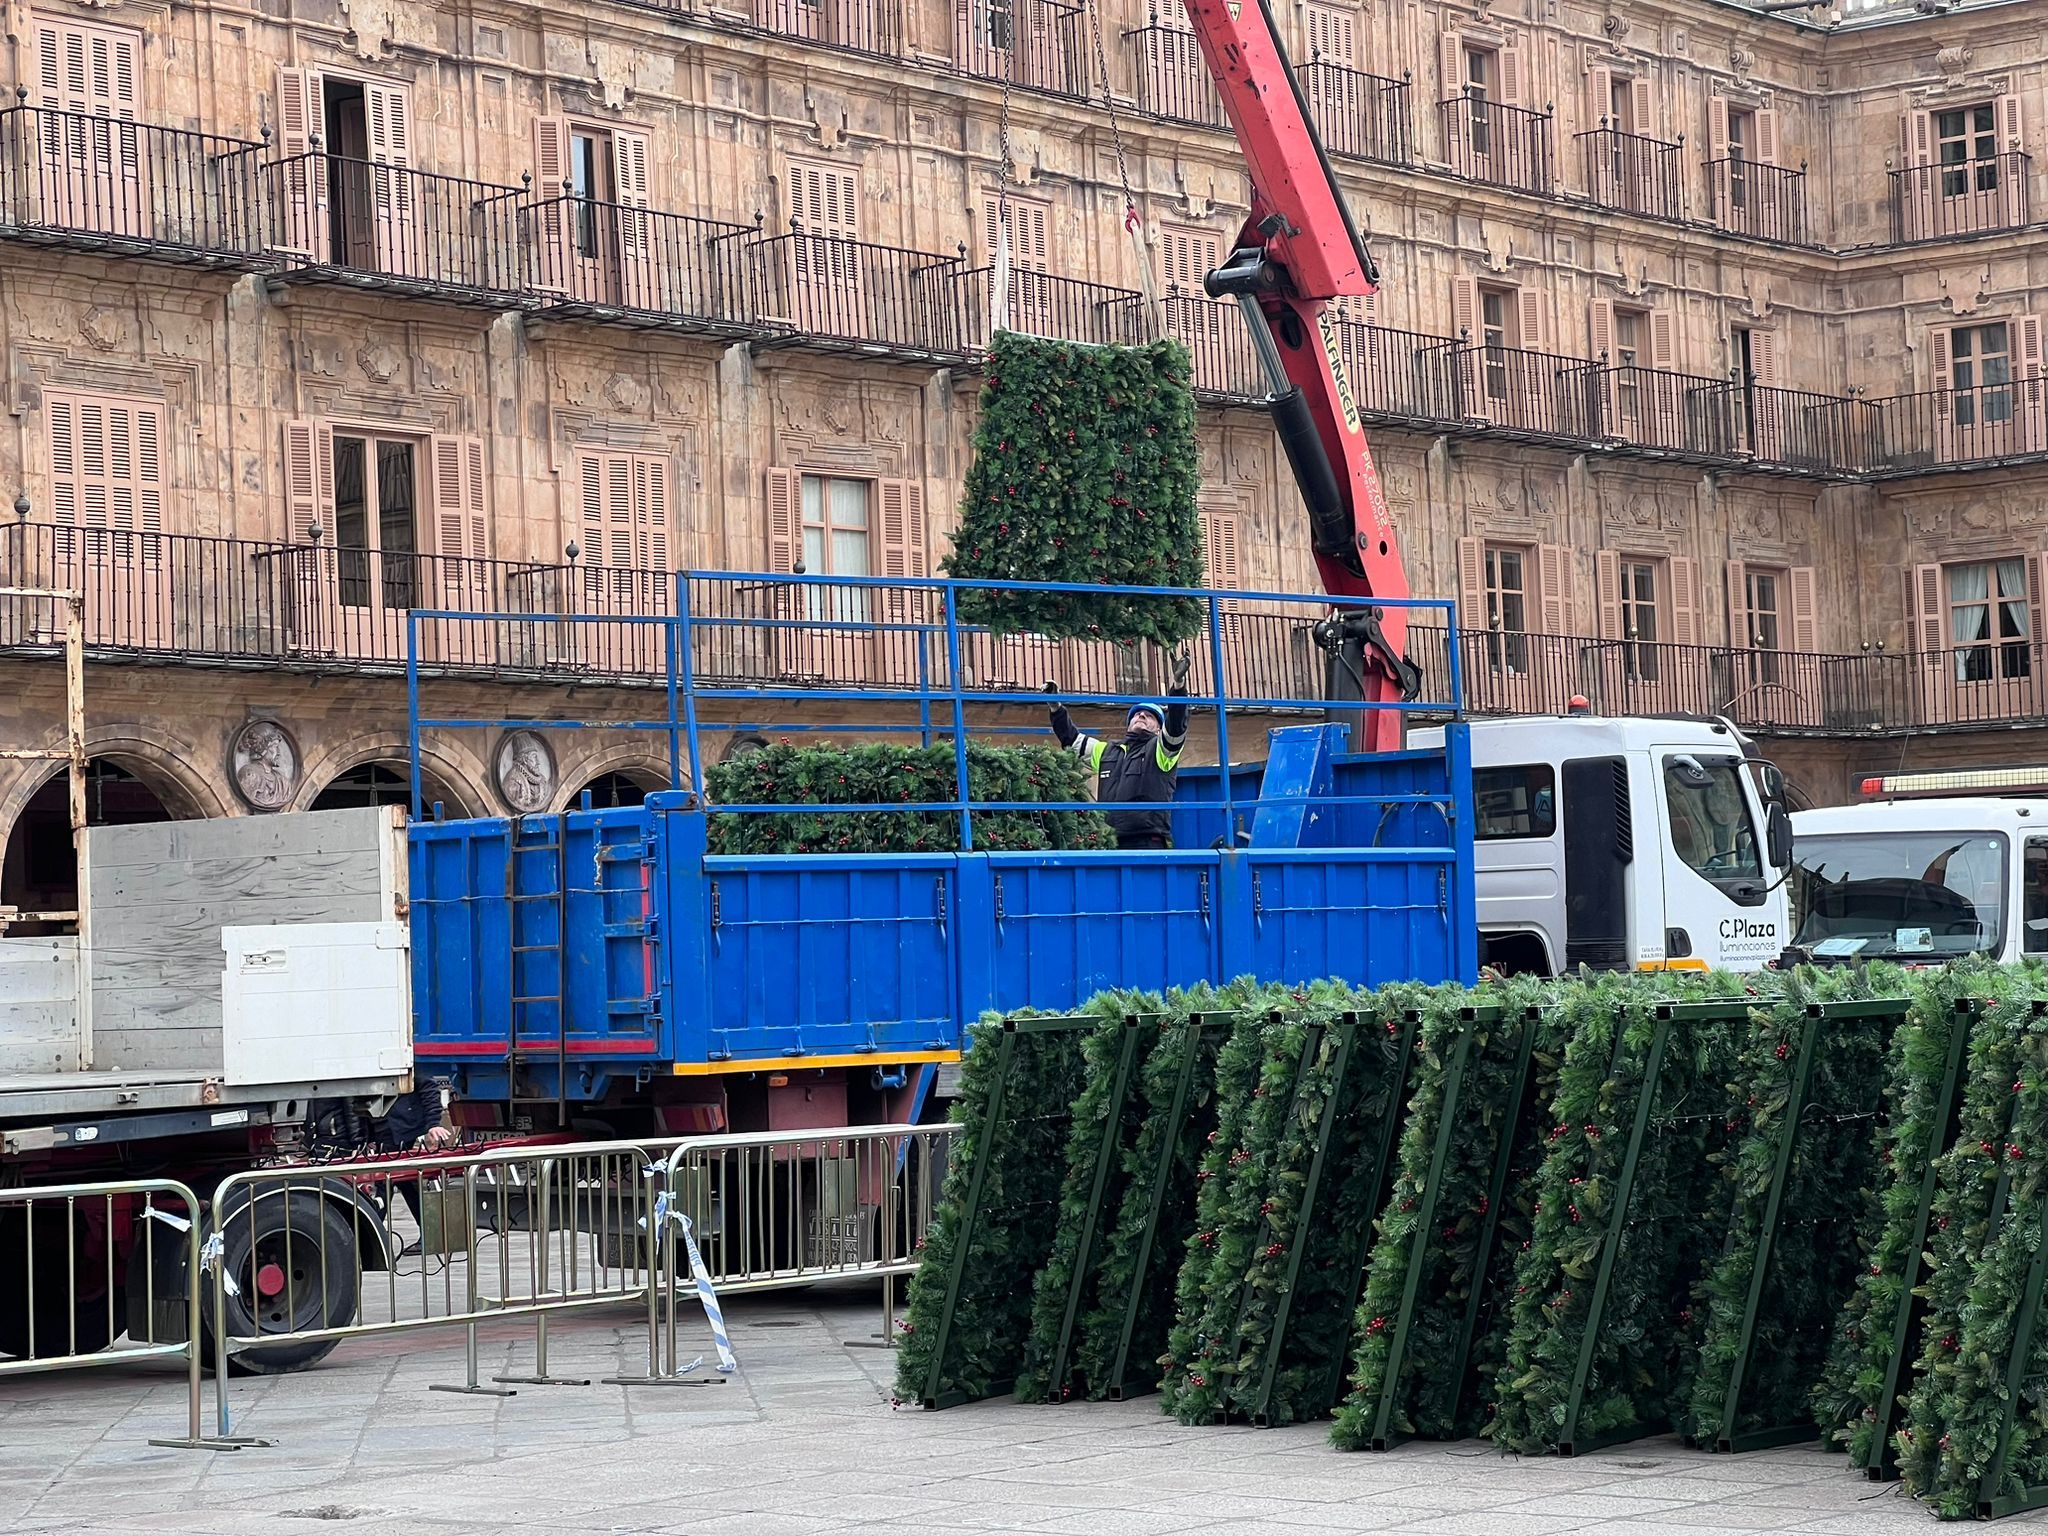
1299,253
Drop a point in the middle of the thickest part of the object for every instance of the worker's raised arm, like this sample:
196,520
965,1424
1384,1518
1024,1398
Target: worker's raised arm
1175,736
1075,740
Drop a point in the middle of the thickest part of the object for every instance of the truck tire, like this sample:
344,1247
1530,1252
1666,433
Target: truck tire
271,1296
66,1321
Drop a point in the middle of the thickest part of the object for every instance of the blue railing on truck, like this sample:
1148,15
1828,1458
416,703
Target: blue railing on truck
659,958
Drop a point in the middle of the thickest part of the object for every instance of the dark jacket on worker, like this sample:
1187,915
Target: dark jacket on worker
1134,772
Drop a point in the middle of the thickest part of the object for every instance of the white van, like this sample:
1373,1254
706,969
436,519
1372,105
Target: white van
1626,843
1923,880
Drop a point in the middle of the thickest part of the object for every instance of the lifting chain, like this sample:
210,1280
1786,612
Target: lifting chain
1134,224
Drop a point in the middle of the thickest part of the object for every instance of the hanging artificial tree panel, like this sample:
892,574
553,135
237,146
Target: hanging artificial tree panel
1085,470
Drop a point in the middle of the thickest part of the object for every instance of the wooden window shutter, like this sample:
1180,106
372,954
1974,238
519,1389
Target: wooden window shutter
388,114
1741,627
1930,610
2037,595
1465,309
1916,137
1532,329
2011,128
1511,75
302,219
1805,603
785,530
1330,33
824,199
1763,358
550,156
1223,551
106,462
1599,98
630,173
1607,588
651,514
1663,340
630,183
2026,353
903,530
1453,50
553,246
1766,150
458,468
297,121
592,529
309,479
1938,345
89,69
1685,601
1642,102
1602,316
1472,612
1717,128
1556,609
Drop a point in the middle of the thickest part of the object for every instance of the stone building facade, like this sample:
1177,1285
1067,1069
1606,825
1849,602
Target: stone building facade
1706,372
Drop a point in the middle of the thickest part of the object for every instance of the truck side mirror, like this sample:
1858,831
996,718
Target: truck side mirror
1778,833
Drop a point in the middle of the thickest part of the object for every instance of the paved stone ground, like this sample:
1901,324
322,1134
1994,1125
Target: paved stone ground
805,1441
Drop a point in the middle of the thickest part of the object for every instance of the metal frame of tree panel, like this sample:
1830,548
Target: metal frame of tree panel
1946,1121
1664,1016
1311,1039
1353,1262
1384,1436
1199,1030
977,1182
1108,1158
1817,1014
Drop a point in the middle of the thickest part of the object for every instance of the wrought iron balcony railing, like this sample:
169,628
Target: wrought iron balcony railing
1173,82
91,182
391,226
1489,141
1960,197
1630,172
1990,423
1220,347
1530,395
1765,202
1358,114
1037,45
854,26
1677,414
1400,376
609,261
1060,308
828,291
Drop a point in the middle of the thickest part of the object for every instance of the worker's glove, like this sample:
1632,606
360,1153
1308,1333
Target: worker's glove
1052,697
1182,669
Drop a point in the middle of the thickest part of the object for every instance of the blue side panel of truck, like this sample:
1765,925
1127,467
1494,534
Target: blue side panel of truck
659,956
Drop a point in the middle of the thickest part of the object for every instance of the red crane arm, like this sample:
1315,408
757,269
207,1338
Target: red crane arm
1298,253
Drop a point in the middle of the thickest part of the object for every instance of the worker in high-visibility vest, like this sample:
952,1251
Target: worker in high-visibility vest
1138,771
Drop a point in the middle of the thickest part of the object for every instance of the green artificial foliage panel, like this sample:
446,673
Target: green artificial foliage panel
1845,1398
1646,1336
1085,470
1107,1119
1470,1059
887,773
1148,1233
1256,1075
1987,1219
1013,1113
1348,1122
1820,1082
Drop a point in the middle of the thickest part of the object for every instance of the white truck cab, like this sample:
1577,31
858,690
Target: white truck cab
1924,880
1624,844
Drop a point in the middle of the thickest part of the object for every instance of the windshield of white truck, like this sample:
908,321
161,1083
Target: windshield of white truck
1899,894
1711,830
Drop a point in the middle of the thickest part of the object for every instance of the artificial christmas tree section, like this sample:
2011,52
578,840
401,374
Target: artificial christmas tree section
1085,470
1803,1173
884,773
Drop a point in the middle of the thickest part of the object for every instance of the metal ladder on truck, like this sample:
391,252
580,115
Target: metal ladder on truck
538,927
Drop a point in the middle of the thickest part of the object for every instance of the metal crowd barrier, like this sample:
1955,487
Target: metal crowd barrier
131,1214
602,1224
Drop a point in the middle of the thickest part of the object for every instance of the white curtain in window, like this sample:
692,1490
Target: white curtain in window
2012,592
1969,593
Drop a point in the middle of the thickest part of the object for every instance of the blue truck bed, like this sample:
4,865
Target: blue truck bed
666,961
